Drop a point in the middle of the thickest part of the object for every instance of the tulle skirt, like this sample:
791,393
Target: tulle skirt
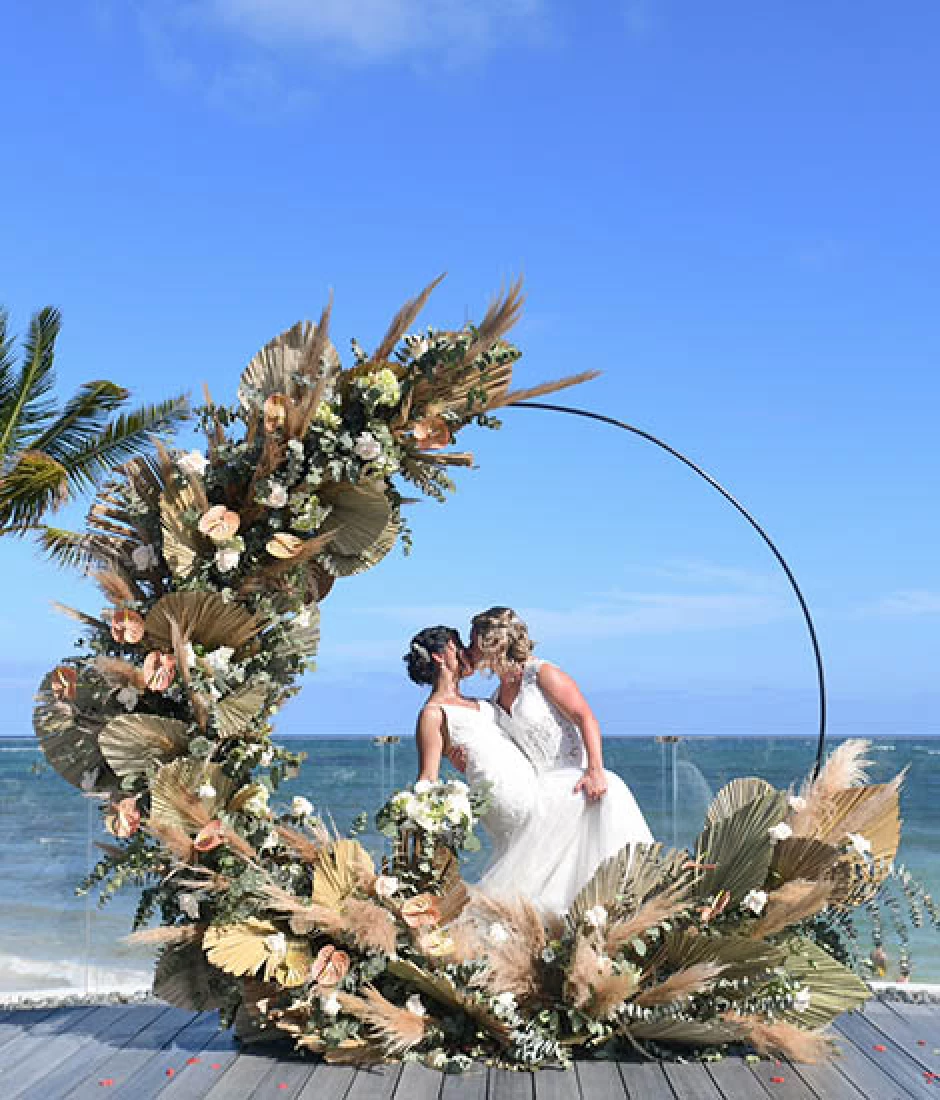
564,841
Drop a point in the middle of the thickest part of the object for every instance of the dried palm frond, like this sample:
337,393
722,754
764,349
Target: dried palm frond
503,313
833,988
185,979
543,389
284,365
183,498
255,946
403,320
795,901
362,526
439,988
622,883
205,618
657,908
397,1029
116,671
846,767
669,1029
801,857
68,732
736,850
175,801
341,868
681,985
777,1037
131,743
168,935
741,956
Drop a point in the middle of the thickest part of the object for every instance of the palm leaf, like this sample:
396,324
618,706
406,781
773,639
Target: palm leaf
74,550
362,526
68,732
340,869
27,404
281,366
132,742
82,419
246,948
34,485
801,857
740,847
235,712
182,501
441,989
175,802
204,618
681,1032
834,989
7,363
734,796
185,979
623,883
743,958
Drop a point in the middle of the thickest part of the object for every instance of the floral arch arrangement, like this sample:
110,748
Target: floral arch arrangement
213,566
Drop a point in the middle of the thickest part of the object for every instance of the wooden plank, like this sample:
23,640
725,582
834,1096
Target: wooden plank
94,1053
779,1078
828,1082
645,1081
508,1084
374,1083
556,1084
329,1083
599,1080
288,1075
418,1082
690,1081
156,1073
16,1022
242,1077
469,1085
125,1062
56,1023
46,1056
209,1064
886,1075
916,1035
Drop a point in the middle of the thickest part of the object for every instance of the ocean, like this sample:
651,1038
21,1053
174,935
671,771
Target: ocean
52,942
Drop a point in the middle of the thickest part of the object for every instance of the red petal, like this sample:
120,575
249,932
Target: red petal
192,1061
106,1081
880,1047
216,1065
777,1080
170,1071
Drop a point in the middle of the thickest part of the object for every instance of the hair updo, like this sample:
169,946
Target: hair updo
424,645
502,638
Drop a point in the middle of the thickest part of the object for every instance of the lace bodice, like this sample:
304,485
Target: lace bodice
493,760
546,736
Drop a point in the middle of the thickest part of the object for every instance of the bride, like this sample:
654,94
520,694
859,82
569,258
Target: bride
548,838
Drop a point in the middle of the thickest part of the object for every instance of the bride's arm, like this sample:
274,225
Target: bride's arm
430,738
560,689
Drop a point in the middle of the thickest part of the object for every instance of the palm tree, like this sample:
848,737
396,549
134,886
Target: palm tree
48,452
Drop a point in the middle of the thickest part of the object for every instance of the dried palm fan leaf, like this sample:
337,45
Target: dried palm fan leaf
235,712
624,882
353,1052
340,869
738,849
182,502
283,366
801,857
734,796
254,946
439,988
131,743
167,936
673,1030
661,906
121,673
175,802
396,1029
833,988
403,320
777,1037
185,979
503,313
681,985
205,618
362,524
795,901
447,458
846,767
544,389
297,635
68,732
742,957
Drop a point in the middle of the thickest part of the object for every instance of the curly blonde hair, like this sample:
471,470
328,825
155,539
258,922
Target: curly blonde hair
503,639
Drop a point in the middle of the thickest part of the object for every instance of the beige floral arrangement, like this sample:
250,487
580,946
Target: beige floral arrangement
212,566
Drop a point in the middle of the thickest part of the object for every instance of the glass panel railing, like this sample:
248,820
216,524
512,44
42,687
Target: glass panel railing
53,941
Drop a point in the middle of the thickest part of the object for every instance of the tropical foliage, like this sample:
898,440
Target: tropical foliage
51,452
212,567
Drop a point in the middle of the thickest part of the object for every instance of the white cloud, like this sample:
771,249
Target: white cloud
904,604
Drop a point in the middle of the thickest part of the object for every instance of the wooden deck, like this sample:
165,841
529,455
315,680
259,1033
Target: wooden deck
891,1050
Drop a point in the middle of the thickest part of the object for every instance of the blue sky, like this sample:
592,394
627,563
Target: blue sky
729,208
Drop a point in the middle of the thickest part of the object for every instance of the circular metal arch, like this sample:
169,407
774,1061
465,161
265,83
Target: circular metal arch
804,608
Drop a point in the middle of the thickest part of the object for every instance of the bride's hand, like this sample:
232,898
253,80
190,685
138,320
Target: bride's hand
458,757
593,783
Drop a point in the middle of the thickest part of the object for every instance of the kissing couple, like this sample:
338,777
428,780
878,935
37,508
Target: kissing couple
555,814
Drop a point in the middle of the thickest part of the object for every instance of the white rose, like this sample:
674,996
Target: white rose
257,804
415,1005
425,820
861,844
144,558
218,660
497,933
89,779
227,558
276,944
206,790
367,447
781,831
296,448
423,786
189,903
755,900
128,697
300,806
330,1005
193,463
267,757
596,917
386,885
270,841
801,999
277,495
796,803
189,654
505,1002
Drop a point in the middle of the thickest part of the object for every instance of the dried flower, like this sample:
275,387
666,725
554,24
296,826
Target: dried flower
421,911
801,999
210,836
206,790
755,900
300,806
329,967
596,917
497,933
124,819
284,546
385,886
127,627
367,447
189,904
431,434
159,670
275,412
64,683
144,558
277,495
276,944
227,558
220,523
193,463
796,802
330,1006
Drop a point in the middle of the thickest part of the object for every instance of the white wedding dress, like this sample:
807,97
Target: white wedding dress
565,836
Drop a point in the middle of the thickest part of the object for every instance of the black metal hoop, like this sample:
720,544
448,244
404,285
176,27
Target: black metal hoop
804,608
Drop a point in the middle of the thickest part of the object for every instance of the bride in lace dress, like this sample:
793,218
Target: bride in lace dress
582,814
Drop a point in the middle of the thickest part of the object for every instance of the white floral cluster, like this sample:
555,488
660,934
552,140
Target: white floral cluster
434,807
